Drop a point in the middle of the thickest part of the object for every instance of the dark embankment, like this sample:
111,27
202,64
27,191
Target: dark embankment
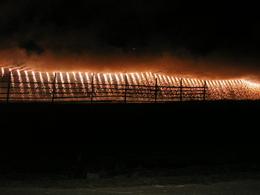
78,138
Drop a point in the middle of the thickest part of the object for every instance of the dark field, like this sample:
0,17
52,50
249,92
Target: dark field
196,141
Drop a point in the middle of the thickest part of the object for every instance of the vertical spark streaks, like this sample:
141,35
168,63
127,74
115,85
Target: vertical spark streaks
112,86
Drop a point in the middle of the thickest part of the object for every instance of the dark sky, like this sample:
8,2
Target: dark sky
132,27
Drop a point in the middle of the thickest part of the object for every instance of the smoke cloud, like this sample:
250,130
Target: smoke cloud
131,35
214,66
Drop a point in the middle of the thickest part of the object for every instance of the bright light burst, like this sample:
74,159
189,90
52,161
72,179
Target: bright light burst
73,84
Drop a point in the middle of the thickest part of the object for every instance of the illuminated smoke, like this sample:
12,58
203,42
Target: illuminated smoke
212,66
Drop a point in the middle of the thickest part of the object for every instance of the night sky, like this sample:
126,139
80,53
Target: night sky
213,36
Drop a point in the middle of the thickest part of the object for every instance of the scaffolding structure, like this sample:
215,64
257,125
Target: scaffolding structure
23,86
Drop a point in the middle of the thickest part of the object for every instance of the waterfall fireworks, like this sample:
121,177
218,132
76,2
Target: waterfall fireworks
22,85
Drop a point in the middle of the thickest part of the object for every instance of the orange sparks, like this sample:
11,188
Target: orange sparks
72,84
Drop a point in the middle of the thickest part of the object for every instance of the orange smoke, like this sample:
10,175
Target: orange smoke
210,67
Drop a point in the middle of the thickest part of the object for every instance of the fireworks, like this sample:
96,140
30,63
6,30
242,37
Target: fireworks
146,86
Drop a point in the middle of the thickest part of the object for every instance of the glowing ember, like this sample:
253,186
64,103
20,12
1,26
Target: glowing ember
147,86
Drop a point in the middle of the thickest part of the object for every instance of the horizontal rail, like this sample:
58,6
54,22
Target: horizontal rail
12,90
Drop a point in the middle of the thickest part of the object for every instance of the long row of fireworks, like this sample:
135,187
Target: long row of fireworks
147,86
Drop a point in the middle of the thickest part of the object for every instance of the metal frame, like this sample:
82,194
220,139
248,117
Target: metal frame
55,91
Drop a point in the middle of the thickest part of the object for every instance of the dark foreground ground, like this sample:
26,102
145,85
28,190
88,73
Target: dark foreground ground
224,188
184,147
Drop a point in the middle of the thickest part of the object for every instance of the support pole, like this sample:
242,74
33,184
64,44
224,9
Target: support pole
204,91
54,87
126,85
156,90
8,87
181,91
92,88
